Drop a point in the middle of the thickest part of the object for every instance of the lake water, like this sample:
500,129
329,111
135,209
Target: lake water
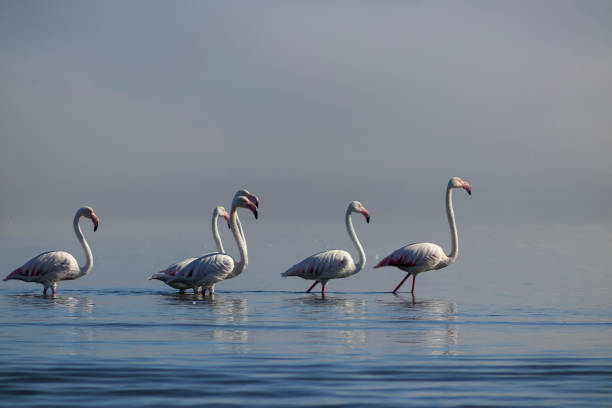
524,318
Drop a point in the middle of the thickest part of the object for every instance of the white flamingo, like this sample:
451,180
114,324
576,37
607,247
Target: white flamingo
425,256
255,200
50,267
170,272
209,269
333,264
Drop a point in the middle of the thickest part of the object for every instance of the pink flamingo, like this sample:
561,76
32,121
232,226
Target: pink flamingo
333,264
209,269
425,256
50,267
168,274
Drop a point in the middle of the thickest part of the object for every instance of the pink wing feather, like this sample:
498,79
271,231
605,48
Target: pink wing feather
46,267
416,257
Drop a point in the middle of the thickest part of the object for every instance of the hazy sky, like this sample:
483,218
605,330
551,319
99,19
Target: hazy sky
164,109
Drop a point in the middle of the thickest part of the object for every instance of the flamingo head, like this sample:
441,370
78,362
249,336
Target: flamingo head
221,212
356,206
88,212
244,202
252,197
456,182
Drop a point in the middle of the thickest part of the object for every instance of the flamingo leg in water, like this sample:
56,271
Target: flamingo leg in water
313,285
413,279
401,283
45,291
323,291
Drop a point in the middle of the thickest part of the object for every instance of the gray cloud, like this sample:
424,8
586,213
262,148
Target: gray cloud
162,109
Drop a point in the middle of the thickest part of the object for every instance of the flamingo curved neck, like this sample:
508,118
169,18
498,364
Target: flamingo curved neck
244,258
351,231
85,269
216,236
240,230
450,213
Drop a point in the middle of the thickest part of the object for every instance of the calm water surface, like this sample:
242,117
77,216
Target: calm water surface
124,347
524,318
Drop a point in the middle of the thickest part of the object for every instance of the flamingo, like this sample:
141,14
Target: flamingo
255,200
170,272
333,264
209,269
425,256
50,267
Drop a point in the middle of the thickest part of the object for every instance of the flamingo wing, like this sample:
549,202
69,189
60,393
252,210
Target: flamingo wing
171,271
322,266
205,270
49,266
416,258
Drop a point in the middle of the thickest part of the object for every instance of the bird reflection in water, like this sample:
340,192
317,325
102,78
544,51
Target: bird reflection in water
435,317
332,318
77,306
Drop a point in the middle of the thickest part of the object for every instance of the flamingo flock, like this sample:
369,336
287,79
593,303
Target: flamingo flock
201,274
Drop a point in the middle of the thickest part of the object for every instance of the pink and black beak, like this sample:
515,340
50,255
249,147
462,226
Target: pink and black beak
467,187
95,220
366,214
252,207
227,219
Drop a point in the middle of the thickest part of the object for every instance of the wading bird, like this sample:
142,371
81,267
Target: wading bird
333,264
50,267
209,269
425,256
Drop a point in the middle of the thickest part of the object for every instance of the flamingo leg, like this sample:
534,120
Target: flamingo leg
401,283
323,291
413,279
45,291
204,292
313,285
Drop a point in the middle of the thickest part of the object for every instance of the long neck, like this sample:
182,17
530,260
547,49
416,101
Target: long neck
351,231
453,227
83,270
244,258
216,235
240,230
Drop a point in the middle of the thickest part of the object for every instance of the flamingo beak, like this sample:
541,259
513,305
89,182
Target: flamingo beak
366,214
227,218
253,208
467,188
95,220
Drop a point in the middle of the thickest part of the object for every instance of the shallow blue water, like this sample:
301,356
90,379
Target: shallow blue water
136,347
524,318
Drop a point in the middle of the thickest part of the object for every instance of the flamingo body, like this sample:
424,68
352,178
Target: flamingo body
203,272
416,258
50,267
171,271
323,266
47,268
